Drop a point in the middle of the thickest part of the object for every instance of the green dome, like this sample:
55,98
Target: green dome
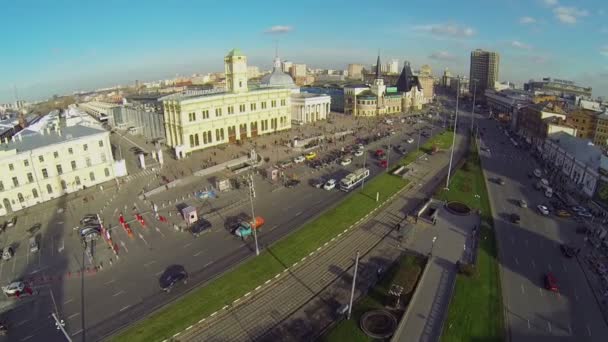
235,52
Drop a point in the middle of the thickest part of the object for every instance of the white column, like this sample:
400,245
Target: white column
142,162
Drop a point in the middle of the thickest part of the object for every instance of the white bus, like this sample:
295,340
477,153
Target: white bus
353,179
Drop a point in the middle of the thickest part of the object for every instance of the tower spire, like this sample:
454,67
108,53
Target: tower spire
378,66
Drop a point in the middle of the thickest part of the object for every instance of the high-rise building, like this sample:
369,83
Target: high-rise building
298,70
235,67
392,67
355,71
483,70
286,66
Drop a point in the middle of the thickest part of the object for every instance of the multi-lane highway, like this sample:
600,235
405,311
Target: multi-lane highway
530,249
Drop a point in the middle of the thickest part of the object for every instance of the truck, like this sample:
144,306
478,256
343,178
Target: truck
245,228
543,185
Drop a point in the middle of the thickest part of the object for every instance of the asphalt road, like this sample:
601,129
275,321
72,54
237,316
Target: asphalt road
93,306
530,249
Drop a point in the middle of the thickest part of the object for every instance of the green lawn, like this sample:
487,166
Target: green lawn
234,284
476,311
405,272
443,142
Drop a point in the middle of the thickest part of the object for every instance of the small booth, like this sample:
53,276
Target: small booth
189,214
272,173
223,185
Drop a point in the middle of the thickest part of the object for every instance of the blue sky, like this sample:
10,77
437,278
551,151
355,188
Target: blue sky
55,47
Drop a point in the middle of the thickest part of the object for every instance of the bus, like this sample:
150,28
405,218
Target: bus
353,179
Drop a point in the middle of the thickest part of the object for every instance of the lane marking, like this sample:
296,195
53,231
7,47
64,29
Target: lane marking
198,253
149,263
588,329
124,308
158,273
569,329
528,323
541,292
76,333
188,244
73,315
516,261
207,264
118,293
549,325
68,301
533,264
27,337
109,282
549,266
522,289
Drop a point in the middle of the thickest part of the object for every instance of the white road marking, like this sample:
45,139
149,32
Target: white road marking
528,323
522,289
124,246
575,295
23,322
207,264
298,213
516,261
549,266
149,263
569,329
109,282
76,333
533,264
158,273
541,292
118,293
158,230
68,301
198,253
27,337
188,244
124,308
589,330
549,325
73,315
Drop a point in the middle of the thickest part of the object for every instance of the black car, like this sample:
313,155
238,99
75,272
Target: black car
200,227
318,183
292,183
569,251
172,276
89,218
515,218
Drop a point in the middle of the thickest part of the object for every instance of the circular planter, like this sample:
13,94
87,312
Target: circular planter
458,208
378,324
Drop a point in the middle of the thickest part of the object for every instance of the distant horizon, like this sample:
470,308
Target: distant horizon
61,50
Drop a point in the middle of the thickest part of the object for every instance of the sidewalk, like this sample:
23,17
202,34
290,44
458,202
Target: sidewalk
303,300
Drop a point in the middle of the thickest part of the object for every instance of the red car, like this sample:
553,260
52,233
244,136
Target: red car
379,153
551,282
383,164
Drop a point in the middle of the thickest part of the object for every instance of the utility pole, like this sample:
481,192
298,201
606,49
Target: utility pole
447,182
352,290
253,220
473,108
418,144
59,322
364,159
388,153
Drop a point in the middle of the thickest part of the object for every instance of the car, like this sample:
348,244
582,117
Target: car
410,141
299,159
345,161
199,227
514,218
12,222
523,203
292,183
379,153
500,181
318,183
584,214
360,147
358,153
285,164
7,253
538,173
310,156
383,163
551,282
578,208
33,245
543,209
173,275
569,251
330,184
563,213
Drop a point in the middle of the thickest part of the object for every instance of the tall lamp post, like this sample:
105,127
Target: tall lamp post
447,181
473,107
251,196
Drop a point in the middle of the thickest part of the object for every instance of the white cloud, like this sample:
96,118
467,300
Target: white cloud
550,2
442,56
279,29
520,45
447,30
604,50
527,20
569,15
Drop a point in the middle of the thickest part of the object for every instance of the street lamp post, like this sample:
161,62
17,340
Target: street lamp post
251,195
433,245
473,107
352,290
447,182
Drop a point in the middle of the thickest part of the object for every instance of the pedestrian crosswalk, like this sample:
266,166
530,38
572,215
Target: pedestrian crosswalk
146,172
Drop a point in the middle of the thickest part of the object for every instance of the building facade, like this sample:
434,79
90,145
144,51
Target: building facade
200,121
601,131
40,167
585,122
484,69
355,71
532,123
103,111
557,87
307,108
336,95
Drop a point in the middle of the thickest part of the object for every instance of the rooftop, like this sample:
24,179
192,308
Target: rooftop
44,139
306,95
582,149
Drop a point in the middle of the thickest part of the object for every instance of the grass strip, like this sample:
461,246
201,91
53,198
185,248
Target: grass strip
476,309
405,272
233,284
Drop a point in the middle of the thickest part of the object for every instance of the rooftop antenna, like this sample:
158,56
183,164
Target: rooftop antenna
16,92
276,48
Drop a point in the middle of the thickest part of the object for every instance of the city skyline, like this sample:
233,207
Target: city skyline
62,50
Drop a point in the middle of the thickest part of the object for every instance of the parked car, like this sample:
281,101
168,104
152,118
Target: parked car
358,153
7,253
551,282
523,203
543,209
500,181
299,159
410,140
200,227
569,251
292,183
12,222
578,208
318,183
383,163
311,156
330,184
88,218
584,214
515,218
345,161
563,213
33,245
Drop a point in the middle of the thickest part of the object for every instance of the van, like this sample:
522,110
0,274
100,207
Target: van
33,245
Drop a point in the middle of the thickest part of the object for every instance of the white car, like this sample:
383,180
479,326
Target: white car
358,153
543,209
299,159
330,184
410,141
345,162
13,288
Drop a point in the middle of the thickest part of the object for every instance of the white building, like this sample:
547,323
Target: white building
392,67
253,71
286,66
53,162
307,108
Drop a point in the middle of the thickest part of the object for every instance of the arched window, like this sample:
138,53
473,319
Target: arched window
196,142
77,180
92,176
64,185
20,197
191,140
35,193
49,188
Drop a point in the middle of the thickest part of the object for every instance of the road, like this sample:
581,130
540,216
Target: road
94,305
530,249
